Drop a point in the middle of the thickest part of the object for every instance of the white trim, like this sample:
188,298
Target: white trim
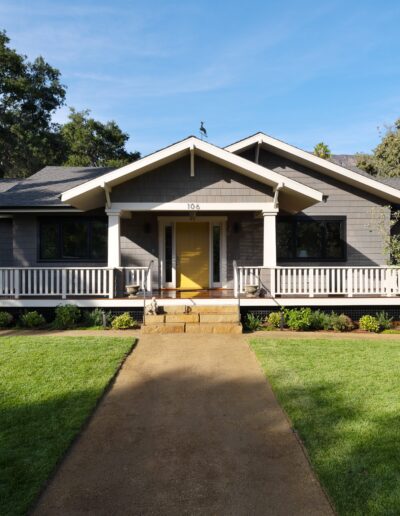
331,169
114,240
201,148
269,239
165,221
192,206
253,302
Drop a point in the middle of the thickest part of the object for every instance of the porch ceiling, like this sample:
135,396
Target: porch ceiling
293,196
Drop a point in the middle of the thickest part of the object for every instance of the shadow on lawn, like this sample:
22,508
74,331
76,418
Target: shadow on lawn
356,457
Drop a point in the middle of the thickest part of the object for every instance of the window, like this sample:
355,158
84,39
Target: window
307,239
73,239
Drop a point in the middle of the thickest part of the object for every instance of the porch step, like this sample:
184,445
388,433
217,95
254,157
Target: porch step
200,319
192,328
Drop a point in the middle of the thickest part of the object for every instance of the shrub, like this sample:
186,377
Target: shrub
67,316
274,319
369,323
341,322
299,319
124,322
321,320
253,322
5,319
32,319
96,317
385,322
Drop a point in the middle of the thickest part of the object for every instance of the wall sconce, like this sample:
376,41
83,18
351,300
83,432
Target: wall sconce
147,228
236,227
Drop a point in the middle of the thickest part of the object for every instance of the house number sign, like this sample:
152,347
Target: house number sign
192,206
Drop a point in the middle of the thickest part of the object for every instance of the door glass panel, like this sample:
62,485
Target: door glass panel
168,254
216,254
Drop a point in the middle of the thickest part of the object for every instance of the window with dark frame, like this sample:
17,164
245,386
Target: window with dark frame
72,239
311,239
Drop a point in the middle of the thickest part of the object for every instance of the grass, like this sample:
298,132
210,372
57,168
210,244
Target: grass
343,398
48,388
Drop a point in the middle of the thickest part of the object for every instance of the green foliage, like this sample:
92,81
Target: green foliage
90,143
322,150
385,322
32,319
299,319
320,320
30,92
369,323
5,319
253,322
385,159
341,322
67,316
96,317
274,319
124,322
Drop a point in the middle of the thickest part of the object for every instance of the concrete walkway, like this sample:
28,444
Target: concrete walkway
190,427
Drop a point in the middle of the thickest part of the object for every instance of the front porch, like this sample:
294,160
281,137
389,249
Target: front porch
276,286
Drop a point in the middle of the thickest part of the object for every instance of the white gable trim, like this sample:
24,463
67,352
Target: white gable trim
202,149
327,167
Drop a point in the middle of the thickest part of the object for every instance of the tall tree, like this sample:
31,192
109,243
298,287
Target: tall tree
385,159
322,150
30,92
88,142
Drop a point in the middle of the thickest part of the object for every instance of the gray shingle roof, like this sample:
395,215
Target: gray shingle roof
45,187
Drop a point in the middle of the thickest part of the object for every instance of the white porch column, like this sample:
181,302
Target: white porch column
114,233
269,253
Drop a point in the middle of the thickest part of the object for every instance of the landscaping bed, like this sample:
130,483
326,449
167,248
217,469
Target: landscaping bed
49,386
343,398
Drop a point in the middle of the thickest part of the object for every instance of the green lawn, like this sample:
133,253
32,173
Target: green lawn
48,387
343,398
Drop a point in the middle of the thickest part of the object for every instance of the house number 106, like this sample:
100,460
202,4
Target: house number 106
193,207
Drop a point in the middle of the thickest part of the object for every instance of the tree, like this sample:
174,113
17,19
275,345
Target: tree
30,92
322,150
88,142
385,159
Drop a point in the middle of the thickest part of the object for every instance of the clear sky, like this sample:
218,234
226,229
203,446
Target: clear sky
302,71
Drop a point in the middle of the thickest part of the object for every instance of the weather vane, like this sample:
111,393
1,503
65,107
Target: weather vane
203,132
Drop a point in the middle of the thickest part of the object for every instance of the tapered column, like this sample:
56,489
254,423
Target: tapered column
269,254
114,233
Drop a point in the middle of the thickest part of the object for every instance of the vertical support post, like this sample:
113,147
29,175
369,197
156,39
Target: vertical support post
269,242
235,279
114,234
64,284
16,283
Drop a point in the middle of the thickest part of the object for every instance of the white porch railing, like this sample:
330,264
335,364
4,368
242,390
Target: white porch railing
65,282
139,276
319,281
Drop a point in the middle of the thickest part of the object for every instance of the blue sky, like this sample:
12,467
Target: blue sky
302,71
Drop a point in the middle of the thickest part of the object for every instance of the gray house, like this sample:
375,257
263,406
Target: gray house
258,220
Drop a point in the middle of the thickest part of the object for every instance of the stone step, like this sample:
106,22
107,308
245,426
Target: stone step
181,318
163,328
219,318
215,309
213,328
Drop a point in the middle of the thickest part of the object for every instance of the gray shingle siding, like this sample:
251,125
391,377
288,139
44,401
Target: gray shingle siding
364,241
172,182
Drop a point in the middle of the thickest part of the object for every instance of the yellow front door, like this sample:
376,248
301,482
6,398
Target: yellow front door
192,254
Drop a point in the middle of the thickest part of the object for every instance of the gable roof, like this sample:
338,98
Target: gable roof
43,189
354,177
91,194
